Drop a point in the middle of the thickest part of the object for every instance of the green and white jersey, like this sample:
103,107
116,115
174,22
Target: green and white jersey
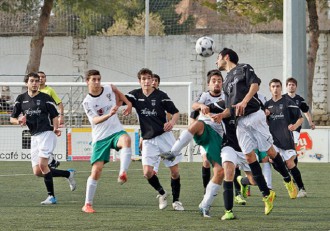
100,105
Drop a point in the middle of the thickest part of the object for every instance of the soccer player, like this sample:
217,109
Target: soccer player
284,117
291,87
151,106
41,117
50,91
240,89
101,105
200,104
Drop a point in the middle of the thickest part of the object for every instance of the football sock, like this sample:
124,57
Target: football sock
228,196
296,160
237,185
60,173
125,159
281,168
90,190
48,179
210,194
206,176
182,142
267,172
176,186
259,178
245,181
154,182
297,177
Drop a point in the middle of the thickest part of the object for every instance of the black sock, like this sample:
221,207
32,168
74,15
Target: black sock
237,185
296,160
281,168
60,173
206,176
48,179
245,181
154,182
259,178
297,177
228,196
176,186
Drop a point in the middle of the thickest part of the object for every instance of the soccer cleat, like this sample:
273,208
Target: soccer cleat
177,205
239,200
50,200
302,193
244,189
292,190
87,208
269,202
122,178
71,180
54,164
205,212
167,156
162,200
229,215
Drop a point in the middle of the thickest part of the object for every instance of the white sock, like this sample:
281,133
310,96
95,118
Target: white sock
267,172
125,159
182,142
90,190
210,193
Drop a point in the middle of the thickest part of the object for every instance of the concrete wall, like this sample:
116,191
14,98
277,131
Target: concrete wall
172,57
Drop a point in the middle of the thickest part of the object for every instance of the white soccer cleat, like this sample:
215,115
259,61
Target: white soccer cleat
177,205
71,180
162,200
50,200
302,193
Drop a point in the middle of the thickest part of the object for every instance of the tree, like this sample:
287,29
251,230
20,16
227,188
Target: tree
268,10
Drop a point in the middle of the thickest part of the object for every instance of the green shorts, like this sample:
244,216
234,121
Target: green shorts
260,155
211,141
101,148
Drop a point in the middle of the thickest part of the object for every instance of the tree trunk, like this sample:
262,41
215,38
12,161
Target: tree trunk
313,46
37,41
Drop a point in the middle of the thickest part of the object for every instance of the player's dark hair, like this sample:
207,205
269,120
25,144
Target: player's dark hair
233,57
89,73
156,77
144,71
31,74
213,72
41,72
275,81
291,80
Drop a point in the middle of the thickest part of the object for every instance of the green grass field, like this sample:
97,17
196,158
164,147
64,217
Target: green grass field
133,206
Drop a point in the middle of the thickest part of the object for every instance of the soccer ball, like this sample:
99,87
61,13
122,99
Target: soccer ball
205,46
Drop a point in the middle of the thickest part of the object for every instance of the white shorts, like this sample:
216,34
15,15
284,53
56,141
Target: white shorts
237,158
296,136
286,154
202,150
42,145
253,133
153,147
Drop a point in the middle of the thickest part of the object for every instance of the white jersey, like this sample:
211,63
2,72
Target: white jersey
98,106
206,98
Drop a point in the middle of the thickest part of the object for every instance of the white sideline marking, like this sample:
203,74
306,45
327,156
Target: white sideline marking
109,170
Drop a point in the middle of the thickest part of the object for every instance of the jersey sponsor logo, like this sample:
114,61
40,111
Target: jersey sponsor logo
277,117
100,111
33,112
230,85
148,112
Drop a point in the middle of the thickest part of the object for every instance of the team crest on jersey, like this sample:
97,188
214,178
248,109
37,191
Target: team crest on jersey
108,96
38,102
281,106
153,102
297,102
